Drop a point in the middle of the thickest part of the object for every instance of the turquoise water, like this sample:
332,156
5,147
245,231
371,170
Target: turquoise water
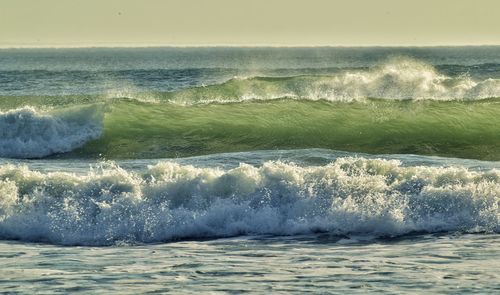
292,170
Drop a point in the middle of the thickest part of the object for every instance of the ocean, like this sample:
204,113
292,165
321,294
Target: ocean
234,170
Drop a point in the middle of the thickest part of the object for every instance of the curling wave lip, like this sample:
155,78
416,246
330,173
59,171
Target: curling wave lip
28,133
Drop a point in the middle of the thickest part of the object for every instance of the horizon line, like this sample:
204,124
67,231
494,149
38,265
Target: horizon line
222,45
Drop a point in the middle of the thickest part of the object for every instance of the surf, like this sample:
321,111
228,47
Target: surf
28,133
132,129
397,78
168,201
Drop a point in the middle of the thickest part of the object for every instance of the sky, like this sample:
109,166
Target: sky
68,23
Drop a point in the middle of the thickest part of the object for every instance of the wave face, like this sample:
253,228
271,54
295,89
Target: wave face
27,133
144,130
170,201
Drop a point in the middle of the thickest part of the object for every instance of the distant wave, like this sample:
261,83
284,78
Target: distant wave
398,78
169,201
28,133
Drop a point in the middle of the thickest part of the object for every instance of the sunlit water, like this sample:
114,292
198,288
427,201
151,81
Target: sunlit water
218,170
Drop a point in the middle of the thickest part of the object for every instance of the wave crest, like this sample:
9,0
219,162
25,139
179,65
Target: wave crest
170,201
28,133
398,78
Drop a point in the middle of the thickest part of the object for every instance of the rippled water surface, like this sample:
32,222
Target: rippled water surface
420,264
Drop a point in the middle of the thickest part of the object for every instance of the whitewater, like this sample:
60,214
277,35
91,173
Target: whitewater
297,169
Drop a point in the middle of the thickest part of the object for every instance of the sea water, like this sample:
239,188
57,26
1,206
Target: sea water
327,170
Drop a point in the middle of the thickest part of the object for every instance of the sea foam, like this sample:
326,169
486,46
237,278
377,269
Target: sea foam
170,201
28,133
399,78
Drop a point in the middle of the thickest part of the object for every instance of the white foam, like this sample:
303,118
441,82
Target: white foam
28,133
398,79
351,196
403,78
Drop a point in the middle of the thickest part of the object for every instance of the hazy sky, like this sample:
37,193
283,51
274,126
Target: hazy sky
249,22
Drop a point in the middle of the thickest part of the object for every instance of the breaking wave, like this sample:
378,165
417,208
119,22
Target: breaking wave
28,133
398,78
170,201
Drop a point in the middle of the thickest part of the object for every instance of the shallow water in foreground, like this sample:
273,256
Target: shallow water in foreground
420,264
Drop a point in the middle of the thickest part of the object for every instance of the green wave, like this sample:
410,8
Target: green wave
133,129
